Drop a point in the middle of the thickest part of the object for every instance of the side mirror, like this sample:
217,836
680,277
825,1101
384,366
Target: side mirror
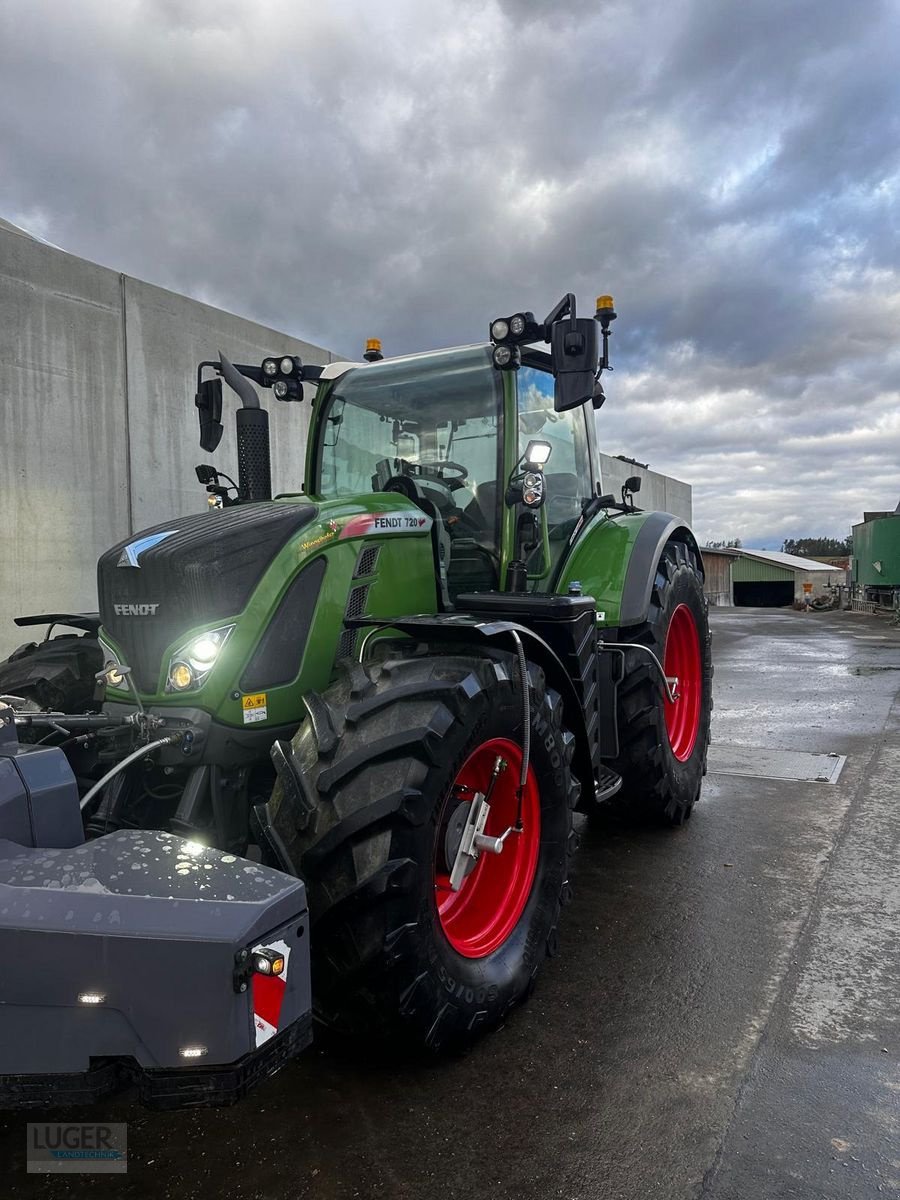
631,485
574,353
209,409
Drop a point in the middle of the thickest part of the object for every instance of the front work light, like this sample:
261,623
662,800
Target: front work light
270,367
520,327
537,453
507,358
280,388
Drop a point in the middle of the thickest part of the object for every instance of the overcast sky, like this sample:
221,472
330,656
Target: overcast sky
729,171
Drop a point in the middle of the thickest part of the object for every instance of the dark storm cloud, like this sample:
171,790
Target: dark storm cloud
728,170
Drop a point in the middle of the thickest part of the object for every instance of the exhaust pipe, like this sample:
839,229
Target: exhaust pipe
252,425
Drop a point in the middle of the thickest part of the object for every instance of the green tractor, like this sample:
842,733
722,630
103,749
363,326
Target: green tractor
403,682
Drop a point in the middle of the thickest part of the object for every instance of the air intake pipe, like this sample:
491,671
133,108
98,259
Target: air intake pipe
252,425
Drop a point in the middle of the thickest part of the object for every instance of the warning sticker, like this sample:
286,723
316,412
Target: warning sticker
254,708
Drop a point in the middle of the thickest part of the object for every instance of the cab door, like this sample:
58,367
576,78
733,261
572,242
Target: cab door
569,477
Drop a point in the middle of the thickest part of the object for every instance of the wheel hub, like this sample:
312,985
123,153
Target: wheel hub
483,874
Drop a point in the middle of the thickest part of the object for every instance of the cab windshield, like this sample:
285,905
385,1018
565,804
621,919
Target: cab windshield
435,419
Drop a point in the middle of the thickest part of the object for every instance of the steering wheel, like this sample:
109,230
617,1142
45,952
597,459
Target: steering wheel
440,469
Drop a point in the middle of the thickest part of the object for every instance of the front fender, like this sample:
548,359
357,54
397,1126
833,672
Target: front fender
614,559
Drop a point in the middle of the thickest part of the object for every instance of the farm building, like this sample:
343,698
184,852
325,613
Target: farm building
771,579
718,584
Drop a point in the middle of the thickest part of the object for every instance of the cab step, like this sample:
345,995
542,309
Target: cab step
608,783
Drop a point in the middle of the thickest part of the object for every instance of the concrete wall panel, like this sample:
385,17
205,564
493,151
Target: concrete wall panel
63,468
658,492
167,335
98,430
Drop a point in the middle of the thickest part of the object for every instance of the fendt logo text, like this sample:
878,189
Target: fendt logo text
135,610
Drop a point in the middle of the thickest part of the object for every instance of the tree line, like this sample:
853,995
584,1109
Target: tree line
820,547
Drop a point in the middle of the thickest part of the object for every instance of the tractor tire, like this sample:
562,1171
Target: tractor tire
392,750
57,674
663,746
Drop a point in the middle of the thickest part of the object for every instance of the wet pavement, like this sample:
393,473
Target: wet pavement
722,1021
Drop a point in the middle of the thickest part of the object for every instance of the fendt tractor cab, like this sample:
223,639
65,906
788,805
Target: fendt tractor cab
400,683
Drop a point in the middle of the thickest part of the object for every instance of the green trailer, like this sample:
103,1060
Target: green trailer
876,557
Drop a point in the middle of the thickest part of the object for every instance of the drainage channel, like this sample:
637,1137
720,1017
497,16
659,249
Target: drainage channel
790,766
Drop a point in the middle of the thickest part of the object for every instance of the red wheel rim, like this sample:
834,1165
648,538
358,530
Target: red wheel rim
682,660
486,909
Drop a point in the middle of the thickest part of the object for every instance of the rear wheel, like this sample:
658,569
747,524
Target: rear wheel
663,744
397,754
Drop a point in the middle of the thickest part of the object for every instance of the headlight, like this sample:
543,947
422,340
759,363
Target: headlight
499,330
191,663
287,366
517,325
280,388
270,367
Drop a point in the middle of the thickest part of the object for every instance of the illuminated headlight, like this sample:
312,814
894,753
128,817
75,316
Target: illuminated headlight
287,366
191,663
499,330
181,677
270,367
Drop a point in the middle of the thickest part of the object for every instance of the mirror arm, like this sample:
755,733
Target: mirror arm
566,305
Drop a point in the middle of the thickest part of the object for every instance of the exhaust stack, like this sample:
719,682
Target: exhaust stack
252,426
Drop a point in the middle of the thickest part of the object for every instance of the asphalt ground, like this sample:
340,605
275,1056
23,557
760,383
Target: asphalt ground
722,1021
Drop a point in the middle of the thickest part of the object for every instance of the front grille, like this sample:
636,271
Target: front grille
356,603
347,643
365,564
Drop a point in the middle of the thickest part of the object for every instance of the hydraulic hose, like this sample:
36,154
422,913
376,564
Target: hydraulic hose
526,725
170,740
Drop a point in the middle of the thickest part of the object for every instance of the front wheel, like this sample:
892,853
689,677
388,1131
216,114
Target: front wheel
663,744
398,754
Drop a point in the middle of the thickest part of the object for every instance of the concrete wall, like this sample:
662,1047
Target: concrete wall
658,492
98,430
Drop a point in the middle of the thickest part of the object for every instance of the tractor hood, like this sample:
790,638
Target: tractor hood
187,572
